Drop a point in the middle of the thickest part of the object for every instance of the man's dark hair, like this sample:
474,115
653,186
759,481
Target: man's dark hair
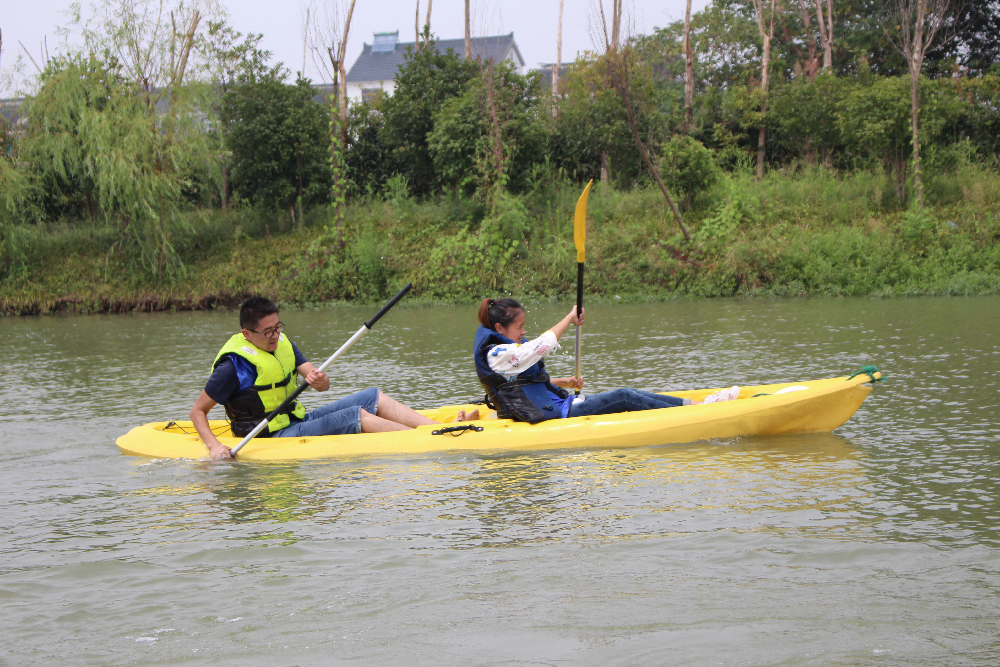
253,310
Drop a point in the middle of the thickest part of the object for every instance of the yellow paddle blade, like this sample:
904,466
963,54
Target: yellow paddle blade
580,225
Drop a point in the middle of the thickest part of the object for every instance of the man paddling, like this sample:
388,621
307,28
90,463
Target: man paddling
255,371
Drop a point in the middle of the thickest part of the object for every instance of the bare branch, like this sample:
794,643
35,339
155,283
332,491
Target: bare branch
30,58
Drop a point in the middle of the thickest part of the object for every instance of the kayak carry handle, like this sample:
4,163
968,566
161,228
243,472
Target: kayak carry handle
870,371
457,430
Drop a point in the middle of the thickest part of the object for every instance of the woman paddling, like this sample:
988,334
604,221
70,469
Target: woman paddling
513,372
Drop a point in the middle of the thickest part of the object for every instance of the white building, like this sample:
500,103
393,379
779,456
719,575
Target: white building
374,72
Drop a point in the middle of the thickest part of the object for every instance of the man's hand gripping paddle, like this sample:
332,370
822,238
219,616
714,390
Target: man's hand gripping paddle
365,328
580,239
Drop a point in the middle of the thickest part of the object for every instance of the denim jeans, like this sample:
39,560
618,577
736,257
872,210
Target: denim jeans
624,400
337,418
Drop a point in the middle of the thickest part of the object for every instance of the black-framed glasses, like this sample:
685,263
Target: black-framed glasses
273,331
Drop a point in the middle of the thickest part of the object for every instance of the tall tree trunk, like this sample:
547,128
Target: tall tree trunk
765,80
688,65
468,33
811,65
766,35
825,34
495,126
619,78
337,186
225,182
557,70
416,28
343,106
917,24
305,43
765,66
427,24
616,26
611,40
916,65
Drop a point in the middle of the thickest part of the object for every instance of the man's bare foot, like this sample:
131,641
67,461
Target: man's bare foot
467,417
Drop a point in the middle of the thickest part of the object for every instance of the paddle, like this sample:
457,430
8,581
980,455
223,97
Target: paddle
366,327
580,239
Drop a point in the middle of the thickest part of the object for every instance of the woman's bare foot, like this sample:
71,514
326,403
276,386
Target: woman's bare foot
467,417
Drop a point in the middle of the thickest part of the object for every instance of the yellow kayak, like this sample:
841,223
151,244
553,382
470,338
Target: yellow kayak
814,406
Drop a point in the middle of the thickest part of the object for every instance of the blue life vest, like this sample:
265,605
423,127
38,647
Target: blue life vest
526,398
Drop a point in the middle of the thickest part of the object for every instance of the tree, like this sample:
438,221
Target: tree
96,144
825,31
366,160
874,124
811,65
766,35
115,127
468,33
621,64
917,24
230,57
688,65
278,138
488,139
976,24
557,70
688,166
425,82
329,47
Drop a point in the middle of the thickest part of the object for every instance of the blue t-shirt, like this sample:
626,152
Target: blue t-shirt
234,374
562,403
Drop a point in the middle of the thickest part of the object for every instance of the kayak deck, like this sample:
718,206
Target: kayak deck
820,406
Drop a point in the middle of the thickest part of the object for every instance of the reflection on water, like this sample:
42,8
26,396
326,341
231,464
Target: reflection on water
874,543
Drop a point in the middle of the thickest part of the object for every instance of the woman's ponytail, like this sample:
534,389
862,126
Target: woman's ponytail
484,312
501,311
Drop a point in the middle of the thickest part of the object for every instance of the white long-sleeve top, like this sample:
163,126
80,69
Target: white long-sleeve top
510,360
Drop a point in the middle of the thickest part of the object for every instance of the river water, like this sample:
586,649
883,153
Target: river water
876,544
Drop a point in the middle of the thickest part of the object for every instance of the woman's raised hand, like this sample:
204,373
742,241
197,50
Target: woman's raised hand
564,323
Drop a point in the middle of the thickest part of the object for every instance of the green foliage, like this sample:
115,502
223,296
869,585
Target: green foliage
461,143
14,183
366,159
804,117
592,122
427,80
780,238
686,165
458,139
469,263
397,189
359,271
716,231
279,138
96,148
920,228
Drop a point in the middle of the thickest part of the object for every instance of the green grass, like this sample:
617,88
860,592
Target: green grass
799,231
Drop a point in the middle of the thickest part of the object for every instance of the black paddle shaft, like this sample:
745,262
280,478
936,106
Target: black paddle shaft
392,302
579,288
369,324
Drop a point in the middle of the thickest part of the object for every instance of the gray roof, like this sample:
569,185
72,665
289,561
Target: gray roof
383,66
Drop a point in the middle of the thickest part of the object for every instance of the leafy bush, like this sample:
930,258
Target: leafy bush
686,165
280,142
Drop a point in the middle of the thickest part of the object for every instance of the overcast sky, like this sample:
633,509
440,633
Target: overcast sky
533,23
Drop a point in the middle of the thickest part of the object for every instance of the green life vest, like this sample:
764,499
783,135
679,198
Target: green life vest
275,382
